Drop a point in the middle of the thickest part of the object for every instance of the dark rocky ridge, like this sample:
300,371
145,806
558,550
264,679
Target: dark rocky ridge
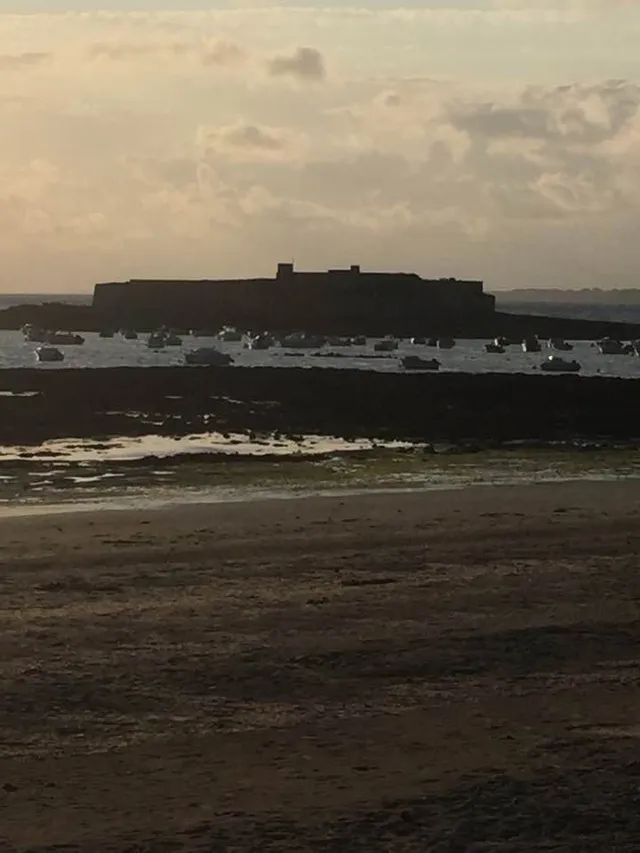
487,408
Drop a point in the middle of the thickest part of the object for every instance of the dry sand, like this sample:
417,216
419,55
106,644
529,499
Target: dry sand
448,671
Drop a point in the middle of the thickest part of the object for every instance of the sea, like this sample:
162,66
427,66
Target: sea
63,475
467,356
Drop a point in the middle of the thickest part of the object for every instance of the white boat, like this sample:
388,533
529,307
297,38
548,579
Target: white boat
208,356
49,354
560,365
64,339
387,344
414,362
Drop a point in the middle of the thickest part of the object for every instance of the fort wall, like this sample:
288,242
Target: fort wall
339,300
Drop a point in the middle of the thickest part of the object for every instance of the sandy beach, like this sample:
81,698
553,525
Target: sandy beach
442,671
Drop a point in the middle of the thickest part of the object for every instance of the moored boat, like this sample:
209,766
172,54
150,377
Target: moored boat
446,343
531,345
49,354
229,335
414,362
203,333
208,357
156,340
387,344
494,346
301,340
557,364
34,334
64,339
611,346
560,344
263,341
172,340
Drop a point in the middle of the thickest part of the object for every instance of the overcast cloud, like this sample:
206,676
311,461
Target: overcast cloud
489,139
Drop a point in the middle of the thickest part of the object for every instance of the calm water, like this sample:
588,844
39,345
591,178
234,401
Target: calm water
467,356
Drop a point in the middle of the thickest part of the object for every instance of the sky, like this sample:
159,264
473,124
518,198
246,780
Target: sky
492,139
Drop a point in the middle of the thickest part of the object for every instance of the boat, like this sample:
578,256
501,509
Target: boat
560,344
172,340
387,344
359,341
446,343
229,335
203,333
260,342
557,364
494,346
611,346
106,333
419,341
64,339
130,335
531,345
432,342
49,354
414,362
156,340
208,357
339,342
34,334
300,340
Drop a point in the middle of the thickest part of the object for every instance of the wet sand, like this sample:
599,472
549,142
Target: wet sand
447,671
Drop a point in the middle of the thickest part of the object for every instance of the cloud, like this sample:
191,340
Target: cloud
218,52
244,142
166,143
306,63
17,61
586,114
127,52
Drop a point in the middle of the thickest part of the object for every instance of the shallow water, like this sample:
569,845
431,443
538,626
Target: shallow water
90,475
159,446
468,356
